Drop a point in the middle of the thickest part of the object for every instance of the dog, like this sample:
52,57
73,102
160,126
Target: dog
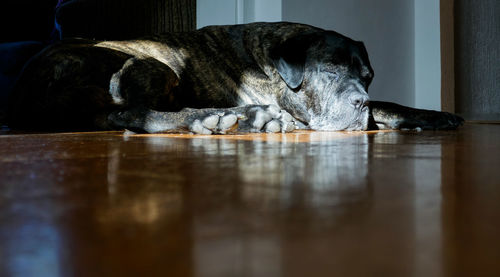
258,77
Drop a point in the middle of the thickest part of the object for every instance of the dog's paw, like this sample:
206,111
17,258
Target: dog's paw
245,119
217,122
265,118
451,121
441,121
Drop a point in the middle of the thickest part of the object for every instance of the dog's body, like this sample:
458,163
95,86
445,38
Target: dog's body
245,78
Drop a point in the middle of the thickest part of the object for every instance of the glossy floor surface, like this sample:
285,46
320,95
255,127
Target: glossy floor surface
302,204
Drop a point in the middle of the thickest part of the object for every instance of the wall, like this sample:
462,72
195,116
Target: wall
262,10
427,55
215,12
385,26
220,12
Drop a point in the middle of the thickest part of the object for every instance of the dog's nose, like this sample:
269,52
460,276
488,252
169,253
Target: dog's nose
359,100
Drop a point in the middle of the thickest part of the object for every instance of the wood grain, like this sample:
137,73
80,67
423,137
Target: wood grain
300,204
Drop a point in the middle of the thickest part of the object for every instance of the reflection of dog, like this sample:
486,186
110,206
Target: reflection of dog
255,77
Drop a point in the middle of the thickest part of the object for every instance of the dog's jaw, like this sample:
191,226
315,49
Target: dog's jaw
339,123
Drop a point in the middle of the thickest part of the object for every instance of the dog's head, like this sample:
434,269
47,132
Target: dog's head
327,76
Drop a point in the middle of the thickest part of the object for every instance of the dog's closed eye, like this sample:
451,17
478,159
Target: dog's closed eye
333,74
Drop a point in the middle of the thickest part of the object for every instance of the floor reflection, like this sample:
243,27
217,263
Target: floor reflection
300,204
32,250
418,168
274,177
275,170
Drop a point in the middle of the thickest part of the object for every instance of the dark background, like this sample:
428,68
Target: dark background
99,19
27,26
26,19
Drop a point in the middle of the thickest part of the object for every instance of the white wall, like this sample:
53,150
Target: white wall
220,12
262,10
215,12
427,55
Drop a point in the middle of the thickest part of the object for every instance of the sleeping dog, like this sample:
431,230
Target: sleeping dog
259,77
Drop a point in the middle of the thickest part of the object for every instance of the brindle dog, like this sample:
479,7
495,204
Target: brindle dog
260,77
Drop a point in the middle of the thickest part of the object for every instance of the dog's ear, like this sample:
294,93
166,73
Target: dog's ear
289,58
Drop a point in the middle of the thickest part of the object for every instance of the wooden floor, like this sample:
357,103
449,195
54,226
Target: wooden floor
302,204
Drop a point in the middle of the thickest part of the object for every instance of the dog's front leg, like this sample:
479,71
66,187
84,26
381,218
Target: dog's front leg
143,84
386,115
244,119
